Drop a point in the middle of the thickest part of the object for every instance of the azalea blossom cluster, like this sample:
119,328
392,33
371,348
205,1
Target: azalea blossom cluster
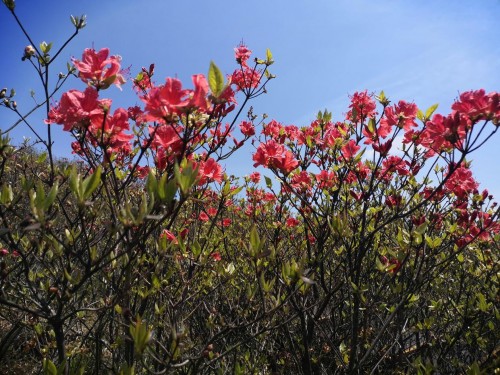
178,123
331,157
175,123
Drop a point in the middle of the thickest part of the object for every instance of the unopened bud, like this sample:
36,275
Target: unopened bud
3,92
11,4
14,104
29,51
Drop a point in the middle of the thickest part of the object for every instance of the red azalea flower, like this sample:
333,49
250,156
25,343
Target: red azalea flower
326,179
292,222
79,109
164,101
255,177
247,128
242,54
245,78
216,256
350,149
362,106
461,182
169,236
209,171
203,217
199,95
99,70
273,155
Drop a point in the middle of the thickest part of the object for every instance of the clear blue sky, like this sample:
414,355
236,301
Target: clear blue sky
421,51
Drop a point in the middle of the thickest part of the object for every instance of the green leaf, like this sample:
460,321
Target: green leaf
380,266
269,57
215,80
6,195
141,335
75,184
254,239
49,368
372,126
269,182
420,115
152,184
431,110
421,228
51,197
481,302
45,47
186,178
91,183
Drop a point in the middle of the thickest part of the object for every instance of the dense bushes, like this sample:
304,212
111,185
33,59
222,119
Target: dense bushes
358,256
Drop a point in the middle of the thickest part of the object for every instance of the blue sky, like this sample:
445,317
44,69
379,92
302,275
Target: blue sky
421,51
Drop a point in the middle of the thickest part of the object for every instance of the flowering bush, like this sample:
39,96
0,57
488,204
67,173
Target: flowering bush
144,256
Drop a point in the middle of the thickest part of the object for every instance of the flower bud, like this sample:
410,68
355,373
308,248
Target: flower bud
11,4
29,51
3,92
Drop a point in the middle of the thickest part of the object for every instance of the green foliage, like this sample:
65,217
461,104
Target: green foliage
102,271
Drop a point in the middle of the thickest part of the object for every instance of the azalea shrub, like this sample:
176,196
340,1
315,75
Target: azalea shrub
366,246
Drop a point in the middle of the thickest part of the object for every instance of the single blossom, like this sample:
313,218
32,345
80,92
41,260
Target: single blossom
198,97
242,54
255,177
461,182
247,128
273,155
169,236
203,217
209,171
99,69
246,78
79,110
477,105
350,149
163,102
362,106
216,256
292,222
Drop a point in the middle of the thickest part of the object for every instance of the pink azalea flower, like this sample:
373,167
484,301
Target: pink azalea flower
245,78
78,109
199,95
292,222
362,106
216,256
210,171
350,149
164,101
273,155
242,54
255,177
169,236
461,182
203,217
99,70
247,128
